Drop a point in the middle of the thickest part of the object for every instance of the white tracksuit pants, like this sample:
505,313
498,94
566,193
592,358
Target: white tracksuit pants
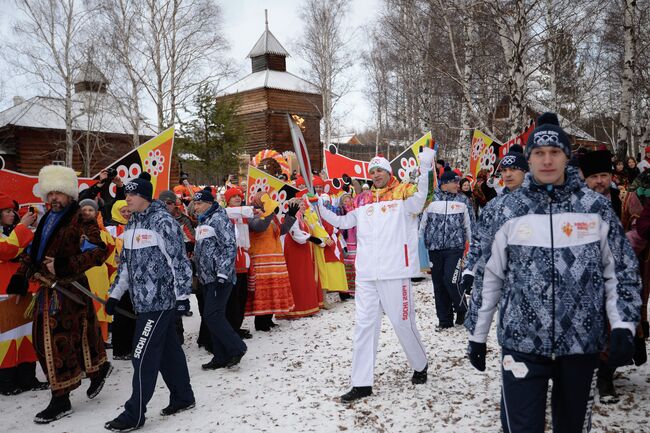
372,298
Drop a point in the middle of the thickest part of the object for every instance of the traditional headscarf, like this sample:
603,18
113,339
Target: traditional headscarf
115,212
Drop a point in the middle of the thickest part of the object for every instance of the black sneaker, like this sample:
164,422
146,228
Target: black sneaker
213,365
460,318
244,334
234,360
606,392
172,410
57,409
97,382
117,425
420,377
440,328
356,393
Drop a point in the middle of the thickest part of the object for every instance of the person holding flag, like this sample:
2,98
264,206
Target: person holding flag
387,257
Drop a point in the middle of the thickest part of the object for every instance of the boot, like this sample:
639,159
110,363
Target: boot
213,365
172,410
420,377
605,384
460,318
58,408
234,360
117,425
356,393
97,382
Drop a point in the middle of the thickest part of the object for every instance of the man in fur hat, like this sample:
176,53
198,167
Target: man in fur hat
66,334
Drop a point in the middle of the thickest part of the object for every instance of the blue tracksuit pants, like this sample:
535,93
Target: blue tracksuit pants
156,348
525,383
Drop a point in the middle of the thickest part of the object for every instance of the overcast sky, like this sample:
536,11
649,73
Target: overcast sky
243,24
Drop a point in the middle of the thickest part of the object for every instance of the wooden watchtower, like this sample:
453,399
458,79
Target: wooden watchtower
268,93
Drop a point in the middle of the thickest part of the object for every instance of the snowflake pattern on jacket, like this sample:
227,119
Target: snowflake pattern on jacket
447,222
558,265
485,220
153,264
216,246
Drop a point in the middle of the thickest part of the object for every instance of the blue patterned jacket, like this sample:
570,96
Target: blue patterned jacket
153,267
558,266
447,222
484,220
216,246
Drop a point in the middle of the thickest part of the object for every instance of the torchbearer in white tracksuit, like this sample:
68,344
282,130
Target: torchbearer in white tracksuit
387,257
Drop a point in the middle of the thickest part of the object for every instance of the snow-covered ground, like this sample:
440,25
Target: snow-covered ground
290,380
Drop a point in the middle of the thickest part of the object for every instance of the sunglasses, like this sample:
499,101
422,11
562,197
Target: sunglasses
170,203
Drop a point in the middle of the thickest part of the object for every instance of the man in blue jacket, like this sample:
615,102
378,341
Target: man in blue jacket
214,257
447,226
156,271
556,262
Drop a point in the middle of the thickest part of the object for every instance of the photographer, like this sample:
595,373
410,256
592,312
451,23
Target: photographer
101,189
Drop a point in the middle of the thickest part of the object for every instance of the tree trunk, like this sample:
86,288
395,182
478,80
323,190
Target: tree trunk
627,78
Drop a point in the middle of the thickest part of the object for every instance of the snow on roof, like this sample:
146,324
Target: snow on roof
188,157
90,73
281,80
267,44
342,139
48,113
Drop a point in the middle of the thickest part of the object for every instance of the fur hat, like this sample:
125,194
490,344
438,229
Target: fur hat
380,162
548,133
598,161
58,178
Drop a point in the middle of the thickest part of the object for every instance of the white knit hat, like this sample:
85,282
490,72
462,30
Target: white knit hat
380,162
57,178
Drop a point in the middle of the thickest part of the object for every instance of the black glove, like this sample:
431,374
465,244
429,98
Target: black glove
621,347
182,306
476,354
315,240
18,285
293,209
466,283
640,354
111,303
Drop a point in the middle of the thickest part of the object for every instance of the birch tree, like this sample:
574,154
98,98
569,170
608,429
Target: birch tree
326,51
627,77
49,49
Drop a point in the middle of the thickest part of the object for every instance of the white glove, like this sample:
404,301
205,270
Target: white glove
426,158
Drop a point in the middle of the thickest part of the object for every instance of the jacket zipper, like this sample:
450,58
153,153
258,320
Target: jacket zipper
444,222
550,206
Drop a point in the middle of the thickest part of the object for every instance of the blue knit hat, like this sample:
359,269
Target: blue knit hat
548,133
448,176
204,195
141,187
514,159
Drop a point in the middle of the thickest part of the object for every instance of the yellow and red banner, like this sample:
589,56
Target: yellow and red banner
483,153
154,157
259,181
